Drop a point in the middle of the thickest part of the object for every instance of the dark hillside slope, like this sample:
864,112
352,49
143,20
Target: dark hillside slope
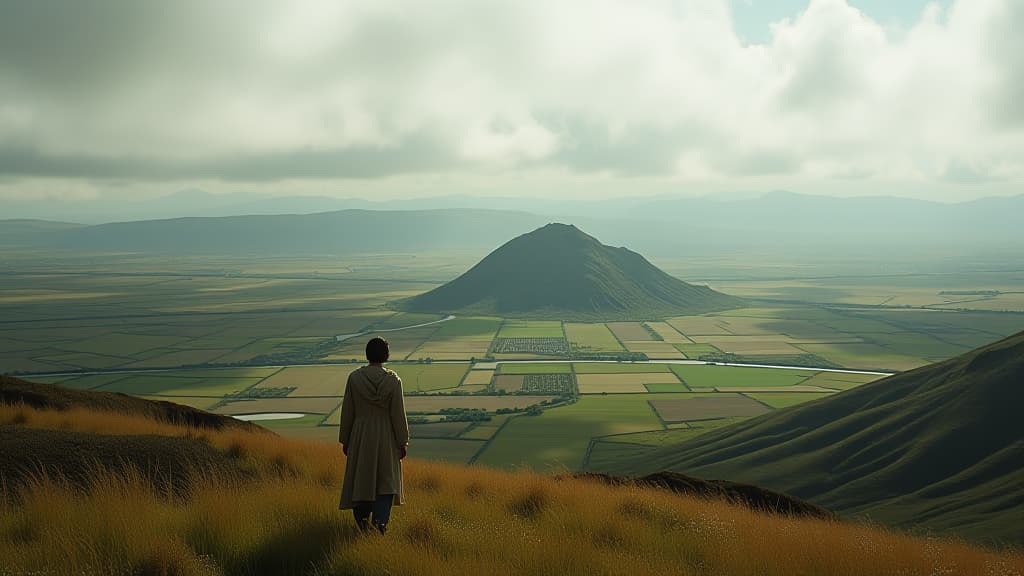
559,270
940,447
53,397
168,461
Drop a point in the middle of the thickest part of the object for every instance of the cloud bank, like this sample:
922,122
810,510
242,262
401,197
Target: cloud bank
263,92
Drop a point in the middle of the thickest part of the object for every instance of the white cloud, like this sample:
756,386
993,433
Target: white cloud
628,88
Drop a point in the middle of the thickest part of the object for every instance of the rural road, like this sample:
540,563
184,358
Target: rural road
343,337
562,361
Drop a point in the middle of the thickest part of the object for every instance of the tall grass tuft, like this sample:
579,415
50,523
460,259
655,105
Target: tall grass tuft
282,517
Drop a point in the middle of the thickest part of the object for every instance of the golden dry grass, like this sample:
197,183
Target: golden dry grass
457,520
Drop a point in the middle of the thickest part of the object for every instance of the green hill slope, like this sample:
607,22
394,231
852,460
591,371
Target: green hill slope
940,447
558,270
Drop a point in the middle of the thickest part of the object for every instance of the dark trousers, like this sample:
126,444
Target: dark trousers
380,510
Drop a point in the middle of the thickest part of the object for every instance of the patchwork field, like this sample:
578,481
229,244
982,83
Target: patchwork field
527,440
517,347
300,405
429,377
591,338
438,429
655,350
557,384
177,385
477,377
666,332
459,339
268,317
434,404
840,381
311,380
708,376
626,331
707,407
623,383
531,329
509,382
783,400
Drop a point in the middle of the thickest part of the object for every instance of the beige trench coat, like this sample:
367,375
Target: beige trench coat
373,426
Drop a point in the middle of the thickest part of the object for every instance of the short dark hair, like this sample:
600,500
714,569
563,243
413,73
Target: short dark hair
378,350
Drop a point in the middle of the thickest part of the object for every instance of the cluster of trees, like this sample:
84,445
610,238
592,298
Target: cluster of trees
464,415
619,356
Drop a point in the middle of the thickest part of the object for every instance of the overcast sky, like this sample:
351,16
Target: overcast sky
393,99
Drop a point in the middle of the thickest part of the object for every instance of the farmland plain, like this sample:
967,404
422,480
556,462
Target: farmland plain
237,335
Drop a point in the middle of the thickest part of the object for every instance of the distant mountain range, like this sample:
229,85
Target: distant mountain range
558,271
341,232
775,225
940,447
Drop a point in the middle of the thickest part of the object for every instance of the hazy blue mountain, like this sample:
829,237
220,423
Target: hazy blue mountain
560,272
773,226
346,231
31,232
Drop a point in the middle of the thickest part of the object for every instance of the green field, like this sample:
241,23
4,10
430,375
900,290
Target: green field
531,329
147,385
591,338
617,367
527,440
217,326
429,377
786,399
706,376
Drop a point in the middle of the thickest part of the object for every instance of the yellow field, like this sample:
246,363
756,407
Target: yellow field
654,349
591,337
668,333
749,345
312,380
509,382
453,349
840,380
622,383
625,331
429,377
699,325
477,377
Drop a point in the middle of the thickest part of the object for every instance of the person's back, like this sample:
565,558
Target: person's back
374,435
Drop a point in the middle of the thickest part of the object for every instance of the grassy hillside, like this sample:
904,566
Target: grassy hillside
15,391
280,517
939,447
558,271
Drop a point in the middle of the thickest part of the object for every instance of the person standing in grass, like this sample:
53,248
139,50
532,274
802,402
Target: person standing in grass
374,437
